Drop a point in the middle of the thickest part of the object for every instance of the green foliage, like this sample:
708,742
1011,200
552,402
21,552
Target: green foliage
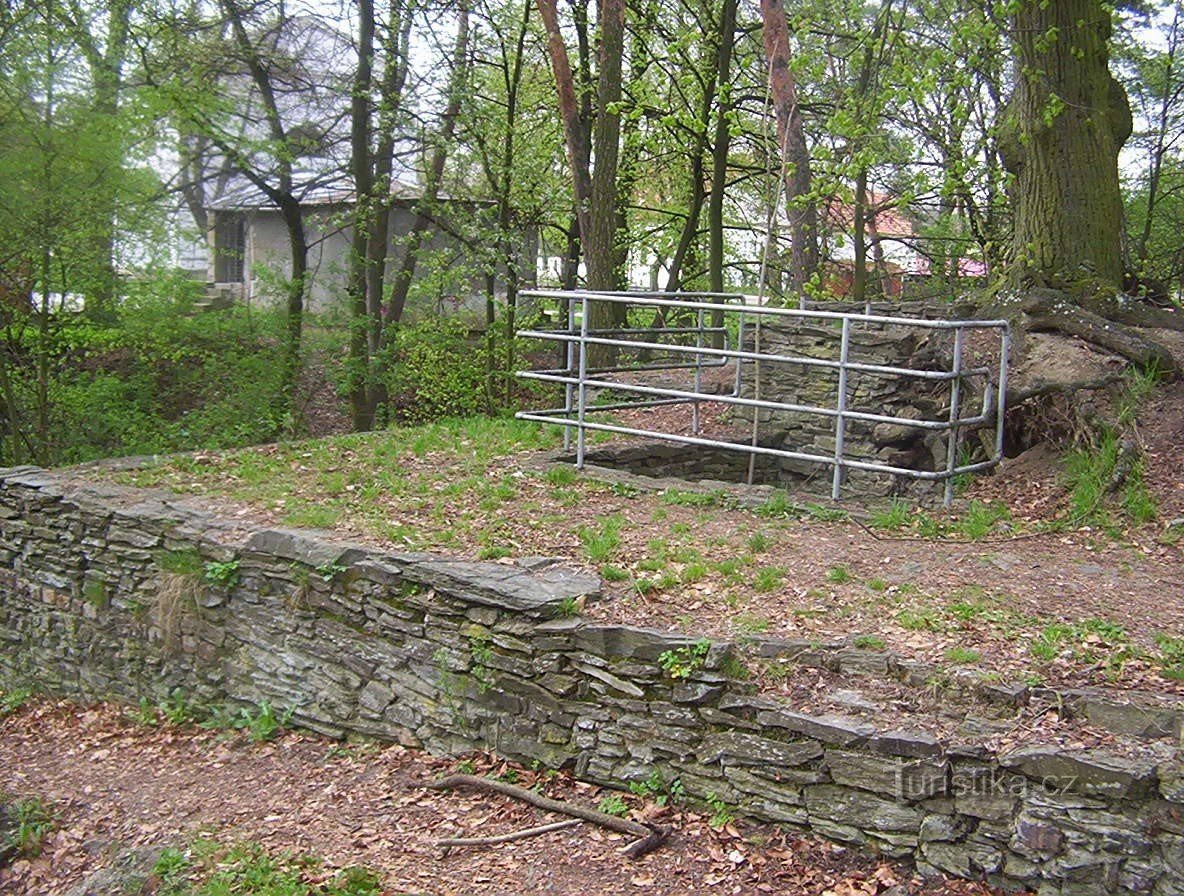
868,642
12,699
152,379
613,805
602,543
926,620
30,821
1171,656
438,370
982,519
656,789
683,662
838,575
1095,472
260,724
896,516
721,813
768,578
963,655
210,868
222,574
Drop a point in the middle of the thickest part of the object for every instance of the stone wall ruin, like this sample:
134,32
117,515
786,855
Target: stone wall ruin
454,655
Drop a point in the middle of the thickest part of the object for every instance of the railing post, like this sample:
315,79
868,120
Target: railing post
581,432
568,391
840,420
1000,408
955,414
698,376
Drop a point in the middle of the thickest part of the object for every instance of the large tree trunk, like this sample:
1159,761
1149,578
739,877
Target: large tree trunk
791,136
1060,135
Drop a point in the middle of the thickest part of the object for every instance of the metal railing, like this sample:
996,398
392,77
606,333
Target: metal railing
739,341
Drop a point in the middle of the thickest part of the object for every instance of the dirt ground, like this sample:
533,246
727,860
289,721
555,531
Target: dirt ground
117,785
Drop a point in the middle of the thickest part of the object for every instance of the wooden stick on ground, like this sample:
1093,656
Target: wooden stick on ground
650,837
506,838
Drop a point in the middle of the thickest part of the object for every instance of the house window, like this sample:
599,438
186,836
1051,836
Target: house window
229,248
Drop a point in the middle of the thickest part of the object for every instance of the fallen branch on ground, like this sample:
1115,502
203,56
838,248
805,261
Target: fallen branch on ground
507,838
650,837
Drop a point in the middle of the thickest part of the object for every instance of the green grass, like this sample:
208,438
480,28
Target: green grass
923,620
602,542
983,519
768,578
963,656
758,542
868,642
838,575
12,699
898,515
209,868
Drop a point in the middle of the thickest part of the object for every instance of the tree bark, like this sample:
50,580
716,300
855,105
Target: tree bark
1060,135
791,136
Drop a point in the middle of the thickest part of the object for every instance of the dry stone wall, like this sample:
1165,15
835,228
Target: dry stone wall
119,594
893,395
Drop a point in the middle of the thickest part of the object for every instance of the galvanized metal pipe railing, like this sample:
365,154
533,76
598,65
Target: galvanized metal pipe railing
578,379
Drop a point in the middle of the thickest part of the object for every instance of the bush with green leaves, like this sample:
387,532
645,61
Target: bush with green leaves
437,369
153,378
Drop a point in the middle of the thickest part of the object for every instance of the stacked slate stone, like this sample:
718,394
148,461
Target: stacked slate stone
892,395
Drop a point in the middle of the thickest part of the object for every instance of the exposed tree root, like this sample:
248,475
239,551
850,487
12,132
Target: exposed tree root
650,837
1047,309
1040,388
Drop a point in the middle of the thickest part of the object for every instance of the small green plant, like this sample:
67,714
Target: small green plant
569,607
824,514
176,708
963,656
656,789
778,505
898,515
758,542
923,620
260,724
877,585
768,578
750,624
692,499
868,642
209,868
982,519
613,805
29,822
721,813
12,699
466,767
1171,656
481,653
561,476
330,571
838,575
601,543
611,573
493,552
683,662
221,574
181,563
